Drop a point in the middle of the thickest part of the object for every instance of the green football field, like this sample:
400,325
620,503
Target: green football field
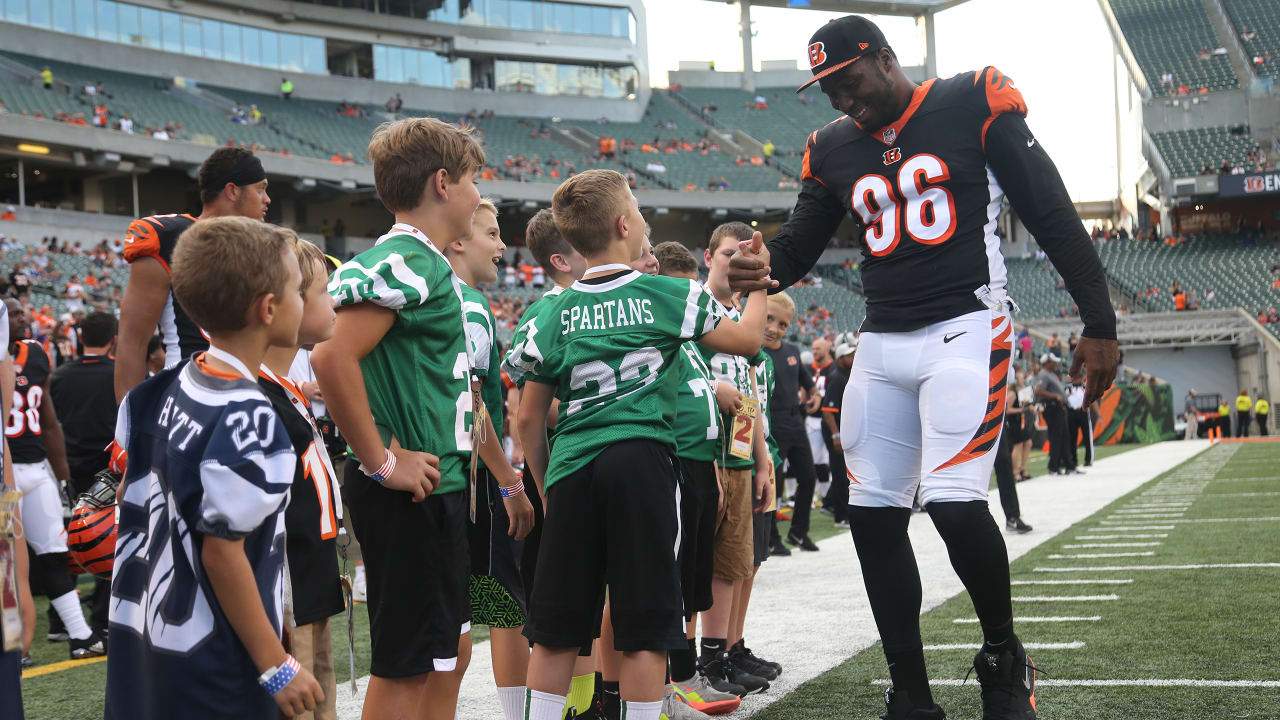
1208,624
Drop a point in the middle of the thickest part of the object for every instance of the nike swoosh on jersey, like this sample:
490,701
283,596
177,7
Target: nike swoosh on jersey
952,336
1031,142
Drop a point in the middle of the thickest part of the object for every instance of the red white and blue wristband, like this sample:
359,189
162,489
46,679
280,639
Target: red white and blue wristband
274,679
384,471
512,490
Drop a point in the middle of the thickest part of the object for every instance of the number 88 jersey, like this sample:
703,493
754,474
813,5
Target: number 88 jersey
26,438
926,198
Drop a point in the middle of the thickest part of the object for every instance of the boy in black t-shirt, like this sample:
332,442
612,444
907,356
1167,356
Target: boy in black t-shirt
314,516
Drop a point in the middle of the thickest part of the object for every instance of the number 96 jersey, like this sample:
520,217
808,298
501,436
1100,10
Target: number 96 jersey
22,427
926,197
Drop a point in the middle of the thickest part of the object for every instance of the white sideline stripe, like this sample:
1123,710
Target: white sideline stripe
1243,494
1121,568
1122,535
1130,527
1069,556
1028,646
1077,546
1145,682
1066,598
1072,582
974,621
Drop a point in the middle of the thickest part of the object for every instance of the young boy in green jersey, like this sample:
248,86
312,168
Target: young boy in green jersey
744,465
396,380
697,429
606,348
497,597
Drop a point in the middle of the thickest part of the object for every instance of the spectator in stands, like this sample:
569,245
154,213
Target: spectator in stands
1166,78
1247,33
1179,299
1055,346
19,281
126,124
1183,89
1204,53
161,134
768,148
286,88
8,213
46,77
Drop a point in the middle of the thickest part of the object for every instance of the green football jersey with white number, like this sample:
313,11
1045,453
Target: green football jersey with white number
484,352
517,339
610,348
417,376
765,377
697,418
735,370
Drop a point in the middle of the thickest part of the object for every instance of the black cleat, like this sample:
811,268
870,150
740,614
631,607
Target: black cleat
743,658
92,646
1008,680
780,550
751,682
1015,524
898,707
717,674
803,542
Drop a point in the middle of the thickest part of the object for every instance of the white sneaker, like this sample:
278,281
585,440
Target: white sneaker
673,708
359,593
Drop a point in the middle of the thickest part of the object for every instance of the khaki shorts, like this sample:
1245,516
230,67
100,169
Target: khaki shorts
735,552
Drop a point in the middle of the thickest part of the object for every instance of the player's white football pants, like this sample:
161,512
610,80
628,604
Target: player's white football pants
924,410
41,507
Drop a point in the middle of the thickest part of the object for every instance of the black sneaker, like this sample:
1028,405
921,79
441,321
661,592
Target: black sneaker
780,550
92,646
750,681
1015,524
1008,682
717,673
898,707
803,542
745,659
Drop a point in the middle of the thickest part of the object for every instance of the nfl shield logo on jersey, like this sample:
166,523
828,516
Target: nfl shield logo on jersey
889,136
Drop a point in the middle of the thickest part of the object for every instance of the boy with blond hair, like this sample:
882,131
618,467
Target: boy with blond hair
314,516
197,592
396,380
606,348
497,597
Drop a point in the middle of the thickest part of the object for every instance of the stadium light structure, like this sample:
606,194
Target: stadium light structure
33,148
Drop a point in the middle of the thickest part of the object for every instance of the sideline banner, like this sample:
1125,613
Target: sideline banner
1254,184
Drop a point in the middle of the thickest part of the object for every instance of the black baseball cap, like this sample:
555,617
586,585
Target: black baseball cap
839,43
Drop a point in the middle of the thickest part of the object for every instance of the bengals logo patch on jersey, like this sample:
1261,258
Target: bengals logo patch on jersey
892,155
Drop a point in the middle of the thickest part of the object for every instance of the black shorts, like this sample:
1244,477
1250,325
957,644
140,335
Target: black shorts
417,568
699,501
497,594
761,536
614,521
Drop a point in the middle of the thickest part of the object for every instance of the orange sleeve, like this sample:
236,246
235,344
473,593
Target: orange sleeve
142,239
1002,96
806,172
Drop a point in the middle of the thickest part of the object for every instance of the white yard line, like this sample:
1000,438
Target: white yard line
1222,520
1144,682
830,582
1132,527
1147,512
1027,646
1054,619
1243,494
1077,546
1125,581
1121,568
1118,536
1091,556
1065,598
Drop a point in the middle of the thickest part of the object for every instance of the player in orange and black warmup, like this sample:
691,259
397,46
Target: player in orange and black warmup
232,182
925,169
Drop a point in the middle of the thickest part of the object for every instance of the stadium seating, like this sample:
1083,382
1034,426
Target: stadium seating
1167,36
1186,152
847,308
1262,17
311,121
1034,285
786,120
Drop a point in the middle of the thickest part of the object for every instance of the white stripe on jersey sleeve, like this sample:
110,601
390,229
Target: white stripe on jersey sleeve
234,505
691,308
479,334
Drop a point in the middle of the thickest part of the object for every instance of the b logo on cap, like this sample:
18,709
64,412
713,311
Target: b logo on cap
817,54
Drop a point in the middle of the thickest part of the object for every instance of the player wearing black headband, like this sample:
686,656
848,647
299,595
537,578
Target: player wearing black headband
232,182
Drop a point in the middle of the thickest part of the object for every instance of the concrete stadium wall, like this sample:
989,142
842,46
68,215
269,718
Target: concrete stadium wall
1205,369
1228,107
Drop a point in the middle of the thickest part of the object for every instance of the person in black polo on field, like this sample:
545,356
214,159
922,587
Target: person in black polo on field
84,399
1053,397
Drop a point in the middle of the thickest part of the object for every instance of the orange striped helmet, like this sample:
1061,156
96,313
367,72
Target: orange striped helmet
91,535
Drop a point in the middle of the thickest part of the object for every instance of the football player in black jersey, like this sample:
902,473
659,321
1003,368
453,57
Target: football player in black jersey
39,458
232,182
925,169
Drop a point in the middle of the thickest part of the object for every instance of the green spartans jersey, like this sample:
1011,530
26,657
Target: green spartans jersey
697,419
610,347
517,340
735,370
417,376
764,380
484,352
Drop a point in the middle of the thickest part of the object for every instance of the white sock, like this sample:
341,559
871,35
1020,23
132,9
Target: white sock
68,607
511,699
641,711
544,706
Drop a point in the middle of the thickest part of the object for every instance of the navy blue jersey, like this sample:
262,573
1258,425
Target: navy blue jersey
207,456
31,368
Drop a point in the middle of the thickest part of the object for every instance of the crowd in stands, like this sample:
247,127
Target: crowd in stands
1254,162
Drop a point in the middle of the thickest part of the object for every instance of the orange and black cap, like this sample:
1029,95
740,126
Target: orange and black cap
839,43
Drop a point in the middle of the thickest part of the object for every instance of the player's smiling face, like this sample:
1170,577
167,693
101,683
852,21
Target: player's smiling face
863,91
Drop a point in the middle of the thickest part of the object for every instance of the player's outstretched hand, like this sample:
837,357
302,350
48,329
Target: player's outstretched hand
416,473
763,491
1099,359
749,266
728,399
519,514
302,693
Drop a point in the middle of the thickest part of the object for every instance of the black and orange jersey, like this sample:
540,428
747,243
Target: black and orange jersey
156,237
31,368
927,190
